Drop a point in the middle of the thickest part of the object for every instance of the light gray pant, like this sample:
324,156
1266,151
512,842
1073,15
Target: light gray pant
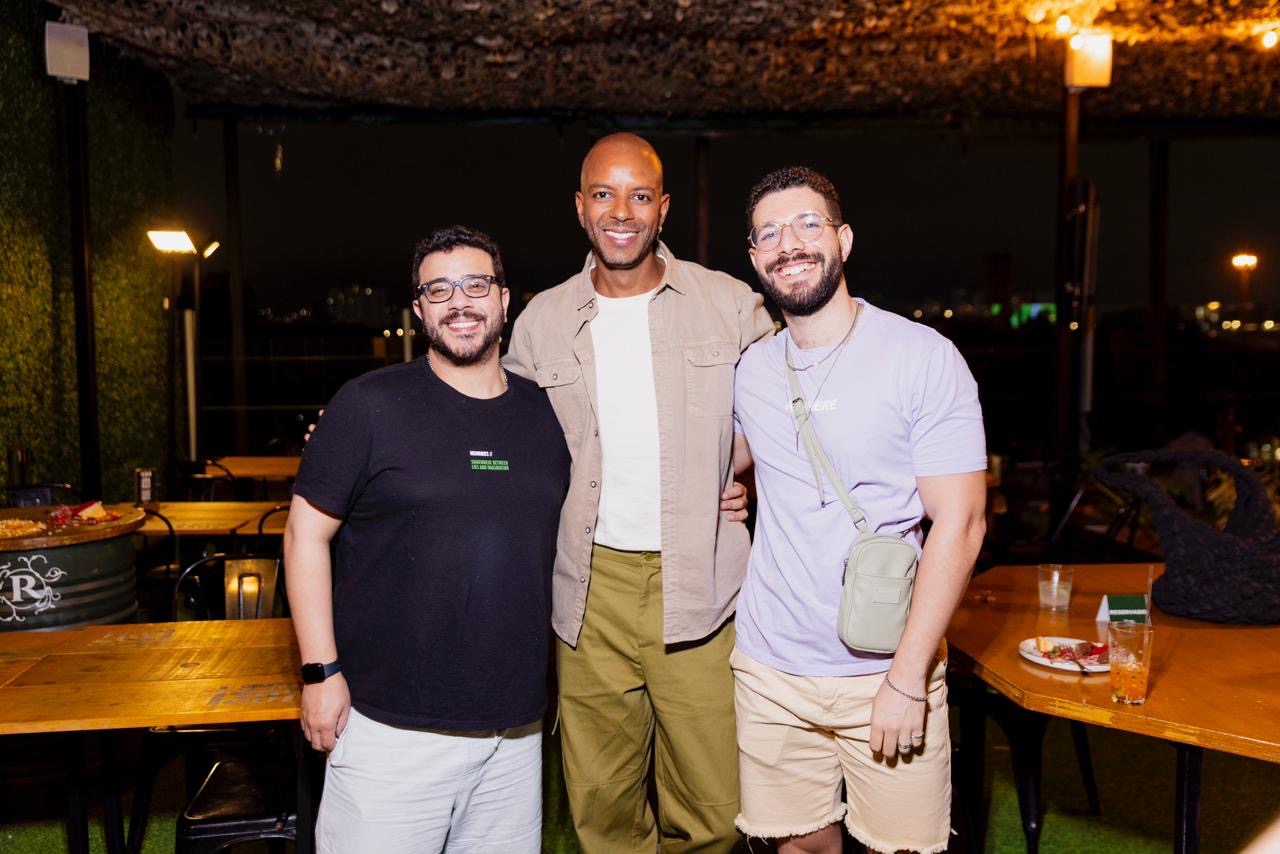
393,789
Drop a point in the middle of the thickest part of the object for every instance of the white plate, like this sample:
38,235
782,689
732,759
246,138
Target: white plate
1028,650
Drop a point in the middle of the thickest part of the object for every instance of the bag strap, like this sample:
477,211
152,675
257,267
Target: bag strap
813,449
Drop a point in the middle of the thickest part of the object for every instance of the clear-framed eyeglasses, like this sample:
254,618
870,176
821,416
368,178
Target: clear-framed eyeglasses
807,227
441,290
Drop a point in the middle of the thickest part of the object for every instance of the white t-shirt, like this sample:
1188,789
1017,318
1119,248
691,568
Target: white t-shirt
630,495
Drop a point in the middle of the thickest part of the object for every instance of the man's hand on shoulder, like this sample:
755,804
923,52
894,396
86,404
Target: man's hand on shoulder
311,428
733,502
325,707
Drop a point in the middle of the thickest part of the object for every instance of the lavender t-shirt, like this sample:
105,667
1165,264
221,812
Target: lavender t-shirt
896,404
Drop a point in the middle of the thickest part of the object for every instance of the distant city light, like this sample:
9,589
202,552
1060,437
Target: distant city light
1235,324
1073,326
386,333
996,308
211,248
1214,305
171,241
1244,261
917,314
1268,325
948,313
399,333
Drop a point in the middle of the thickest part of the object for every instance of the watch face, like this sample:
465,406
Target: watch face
312,673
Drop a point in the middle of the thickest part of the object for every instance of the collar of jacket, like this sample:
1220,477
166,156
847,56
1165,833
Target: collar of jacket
673,277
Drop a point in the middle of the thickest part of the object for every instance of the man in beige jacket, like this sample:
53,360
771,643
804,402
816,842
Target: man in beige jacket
637,353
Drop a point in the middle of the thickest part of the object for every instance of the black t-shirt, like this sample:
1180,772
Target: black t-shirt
442,567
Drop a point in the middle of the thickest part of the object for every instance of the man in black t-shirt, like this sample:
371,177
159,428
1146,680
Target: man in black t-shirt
436,486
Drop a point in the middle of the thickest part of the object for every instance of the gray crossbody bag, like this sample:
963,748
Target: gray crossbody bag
880,569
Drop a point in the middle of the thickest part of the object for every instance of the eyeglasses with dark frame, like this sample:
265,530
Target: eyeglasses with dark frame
807,227
441,290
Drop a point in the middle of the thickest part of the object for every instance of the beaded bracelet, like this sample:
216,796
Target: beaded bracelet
900,691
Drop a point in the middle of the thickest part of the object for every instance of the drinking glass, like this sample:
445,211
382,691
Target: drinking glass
1130,650
1055,586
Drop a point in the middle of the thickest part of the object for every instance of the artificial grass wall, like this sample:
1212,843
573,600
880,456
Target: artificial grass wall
131,187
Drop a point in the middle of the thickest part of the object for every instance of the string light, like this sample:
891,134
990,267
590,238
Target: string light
1063,24
1269,39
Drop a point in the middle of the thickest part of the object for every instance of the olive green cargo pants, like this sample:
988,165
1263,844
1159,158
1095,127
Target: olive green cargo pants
627,700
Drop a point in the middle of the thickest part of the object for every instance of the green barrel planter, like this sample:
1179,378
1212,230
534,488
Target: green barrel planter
82,578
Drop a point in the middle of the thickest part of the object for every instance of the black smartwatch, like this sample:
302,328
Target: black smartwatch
315,673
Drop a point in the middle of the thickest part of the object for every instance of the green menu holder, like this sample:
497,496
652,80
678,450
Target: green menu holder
1117,608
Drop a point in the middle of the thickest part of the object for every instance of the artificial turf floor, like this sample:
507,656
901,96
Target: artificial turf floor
1135,779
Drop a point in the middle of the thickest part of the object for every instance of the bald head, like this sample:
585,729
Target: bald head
620,202
618,149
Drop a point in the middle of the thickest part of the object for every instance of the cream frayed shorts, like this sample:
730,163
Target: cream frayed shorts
800,736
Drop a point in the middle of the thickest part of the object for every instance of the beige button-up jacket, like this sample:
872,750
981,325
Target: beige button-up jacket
700,321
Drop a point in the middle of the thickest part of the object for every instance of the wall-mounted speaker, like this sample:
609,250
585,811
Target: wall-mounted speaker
66,51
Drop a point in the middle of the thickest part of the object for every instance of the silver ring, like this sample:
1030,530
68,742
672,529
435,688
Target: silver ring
919,737
903,748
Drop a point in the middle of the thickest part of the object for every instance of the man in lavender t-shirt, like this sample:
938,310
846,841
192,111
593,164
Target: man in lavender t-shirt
897,413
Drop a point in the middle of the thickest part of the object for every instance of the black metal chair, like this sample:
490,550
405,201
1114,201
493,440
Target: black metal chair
245,787
265,542
197,483
240,801
39,495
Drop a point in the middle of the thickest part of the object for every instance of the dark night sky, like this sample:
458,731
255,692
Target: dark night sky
925,207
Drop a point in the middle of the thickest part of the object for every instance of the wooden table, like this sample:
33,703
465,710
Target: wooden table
107,678
207,518
1212,685
257,468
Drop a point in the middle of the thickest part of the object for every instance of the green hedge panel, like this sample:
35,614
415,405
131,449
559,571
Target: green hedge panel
131,186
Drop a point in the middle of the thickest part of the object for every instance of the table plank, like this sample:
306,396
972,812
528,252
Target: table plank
29,645
195,634
107,704
161,665
205,518
1212,685
151,674
13,668
258,467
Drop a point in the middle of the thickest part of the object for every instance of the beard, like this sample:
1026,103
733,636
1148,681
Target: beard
470,351
616,261
803,302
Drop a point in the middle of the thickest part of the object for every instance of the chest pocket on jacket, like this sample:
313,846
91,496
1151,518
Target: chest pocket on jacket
568,393
708,374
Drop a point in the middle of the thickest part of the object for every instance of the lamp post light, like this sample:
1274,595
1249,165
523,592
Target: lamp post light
1245,263
1087,65
180,243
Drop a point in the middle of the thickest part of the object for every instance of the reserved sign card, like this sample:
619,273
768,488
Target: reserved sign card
1116,608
